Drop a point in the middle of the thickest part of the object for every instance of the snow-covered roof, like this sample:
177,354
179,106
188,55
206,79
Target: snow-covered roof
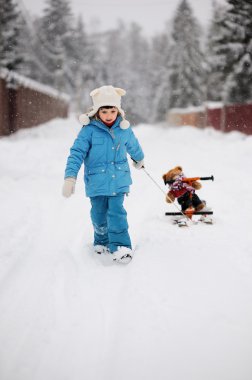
32,84
213,105
187,110
209,105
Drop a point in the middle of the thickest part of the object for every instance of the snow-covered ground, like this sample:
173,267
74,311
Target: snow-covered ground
182,309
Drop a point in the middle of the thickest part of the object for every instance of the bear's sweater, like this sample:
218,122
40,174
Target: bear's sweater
179,188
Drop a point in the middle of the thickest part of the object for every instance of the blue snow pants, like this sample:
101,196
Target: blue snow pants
109,219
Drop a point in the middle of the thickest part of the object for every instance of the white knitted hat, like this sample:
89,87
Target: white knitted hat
106,96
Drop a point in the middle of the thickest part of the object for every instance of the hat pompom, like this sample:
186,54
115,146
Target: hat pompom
124,124
84,119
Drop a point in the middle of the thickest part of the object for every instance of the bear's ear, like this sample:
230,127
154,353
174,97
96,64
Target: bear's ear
94,92
178,168
120,91
164,178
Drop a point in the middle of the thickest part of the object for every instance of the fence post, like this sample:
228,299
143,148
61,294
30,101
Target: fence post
12,108
223,118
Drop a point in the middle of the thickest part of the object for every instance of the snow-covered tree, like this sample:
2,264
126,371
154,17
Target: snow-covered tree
136,75
124,62
88,72
237,47
187,60
216,59
10,56
114,55
27,32
159,76
55,37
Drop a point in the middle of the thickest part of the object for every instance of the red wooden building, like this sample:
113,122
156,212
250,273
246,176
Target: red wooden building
26,103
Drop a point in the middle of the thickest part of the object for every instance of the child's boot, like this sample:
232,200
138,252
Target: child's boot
123,255
99,249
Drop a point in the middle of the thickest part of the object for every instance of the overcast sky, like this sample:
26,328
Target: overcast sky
150,14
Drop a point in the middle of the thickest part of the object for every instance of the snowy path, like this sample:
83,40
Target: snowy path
181,310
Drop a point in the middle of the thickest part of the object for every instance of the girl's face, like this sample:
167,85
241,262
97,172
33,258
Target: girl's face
108,115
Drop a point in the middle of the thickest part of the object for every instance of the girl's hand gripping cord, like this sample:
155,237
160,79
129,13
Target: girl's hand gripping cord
138,164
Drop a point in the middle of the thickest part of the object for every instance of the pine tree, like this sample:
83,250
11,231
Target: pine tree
26,50
88,68
115,56
187,60
238,50
10,57
34,63
55,34
159,76
216,59
125,60
136,75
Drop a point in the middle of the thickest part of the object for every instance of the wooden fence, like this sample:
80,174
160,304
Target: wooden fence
226,118
25,103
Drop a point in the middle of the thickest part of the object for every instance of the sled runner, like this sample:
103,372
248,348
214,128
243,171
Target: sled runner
183,220
190,213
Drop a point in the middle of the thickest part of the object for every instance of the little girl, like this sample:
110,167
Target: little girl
102,145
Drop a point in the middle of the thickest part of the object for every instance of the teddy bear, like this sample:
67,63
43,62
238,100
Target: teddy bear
183,189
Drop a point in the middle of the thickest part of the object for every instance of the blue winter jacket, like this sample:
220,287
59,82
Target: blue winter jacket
104,153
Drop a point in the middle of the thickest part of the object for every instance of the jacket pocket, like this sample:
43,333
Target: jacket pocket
96,170
123,176
124,167
96,180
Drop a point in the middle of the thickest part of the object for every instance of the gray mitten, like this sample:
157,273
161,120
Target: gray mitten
68,187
